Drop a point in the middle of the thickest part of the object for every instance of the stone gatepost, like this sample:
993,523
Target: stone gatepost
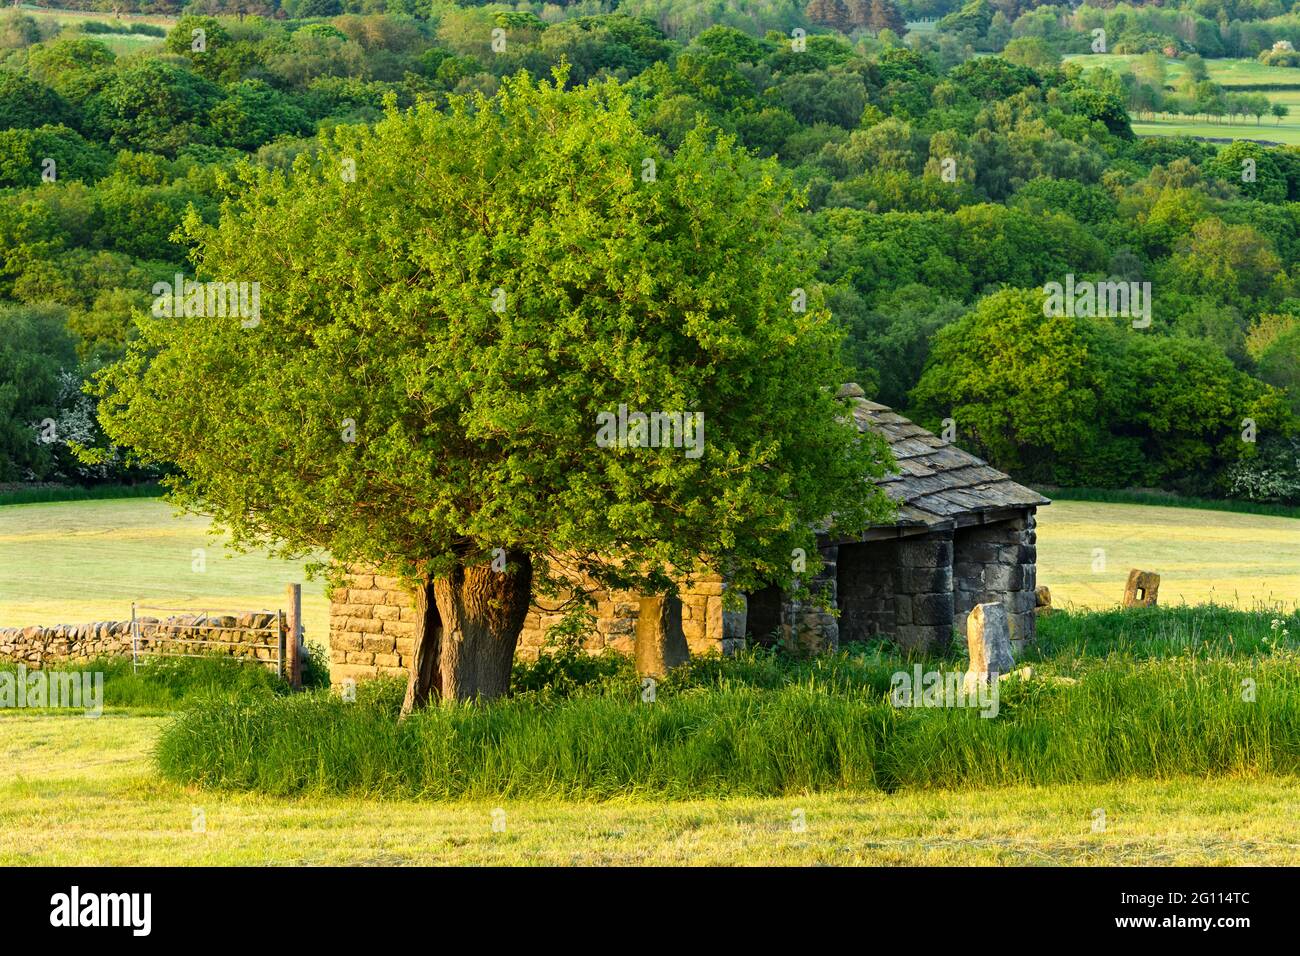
988,638
1142,589
923,601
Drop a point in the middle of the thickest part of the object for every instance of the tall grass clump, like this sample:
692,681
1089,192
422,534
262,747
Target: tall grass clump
702,743
161,683
1076,639
1119,719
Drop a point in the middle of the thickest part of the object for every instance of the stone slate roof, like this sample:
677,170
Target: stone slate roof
936,483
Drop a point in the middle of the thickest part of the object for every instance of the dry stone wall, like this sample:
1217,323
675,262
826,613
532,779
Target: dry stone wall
230,635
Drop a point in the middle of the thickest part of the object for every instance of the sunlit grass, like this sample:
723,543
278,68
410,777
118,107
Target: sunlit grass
1086,549
81,561
79,791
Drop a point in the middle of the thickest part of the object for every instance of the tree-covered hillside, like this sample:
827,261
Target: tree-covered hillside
946,187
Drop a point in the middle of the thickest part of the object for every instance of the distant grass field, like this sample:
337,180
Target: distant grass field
121,44
1288,133
1225,72
80,561
1279,84
1236,559
81,16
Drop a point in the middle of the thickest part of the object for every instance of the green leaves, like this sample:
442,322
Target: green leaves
470,289
1080,400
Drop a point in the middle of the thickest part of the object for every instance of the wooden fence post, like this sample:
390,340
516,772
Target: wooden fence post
293,644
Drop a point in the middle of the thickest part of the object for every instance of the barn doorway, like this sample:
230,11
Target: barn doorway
763,616
864,580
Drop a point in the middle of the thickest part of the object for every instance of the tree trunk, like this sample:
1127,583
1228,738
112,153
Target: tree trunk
482,612
424,681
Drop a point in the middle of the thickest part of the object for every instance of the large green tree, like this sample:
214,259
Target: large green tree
1090,401
448,303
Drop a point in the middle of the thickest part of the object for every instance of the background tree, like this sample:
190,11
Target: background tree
439,334
829,13
36,351
884,15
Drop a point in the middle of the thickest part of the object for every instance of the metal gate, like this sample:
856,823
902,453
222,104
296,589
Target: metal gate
155,642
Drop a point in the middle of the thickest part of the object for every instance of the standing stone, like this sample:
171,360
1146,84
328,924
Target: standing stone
660,641
1142,589
989,639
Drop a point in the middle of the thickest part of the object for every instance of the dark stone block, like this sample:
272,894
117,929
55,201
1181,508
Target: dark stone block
925,552
923,580
923,638
935,609
1022,601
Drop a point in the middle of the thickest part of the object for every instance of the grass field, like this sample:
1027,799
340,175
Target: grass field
1237,559
121,44
84,791
1279,84
81,16
1287,133
81,561
79,791
74,562
1225,72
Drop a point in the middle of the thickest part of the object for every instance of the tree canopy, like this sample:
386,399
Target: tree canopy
449,301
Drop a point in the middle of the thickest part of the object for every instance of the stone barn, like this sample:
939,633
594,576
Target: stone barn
963,535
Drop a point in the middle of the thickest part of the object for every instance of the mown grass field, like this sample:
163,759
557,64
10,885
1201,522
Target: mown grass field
1086,549
592,779
80,561
1288,133
79,791
1225,72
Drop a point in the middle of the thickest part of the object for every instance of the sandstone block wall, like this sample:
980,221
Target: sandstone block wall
231,635
372,628
372,620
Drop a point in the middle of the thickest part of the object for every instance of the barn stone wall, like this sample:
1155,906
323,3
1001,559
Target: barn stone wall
923,603
372,620
866,589
917,589
807,627
998,562
372,627
920,589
